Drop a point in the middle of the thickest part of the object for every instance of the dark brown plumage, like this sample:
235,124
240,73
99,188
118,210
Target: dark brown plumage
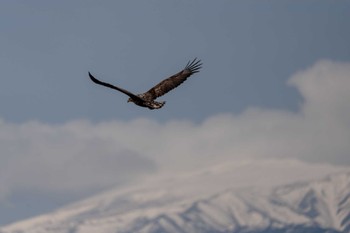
147,99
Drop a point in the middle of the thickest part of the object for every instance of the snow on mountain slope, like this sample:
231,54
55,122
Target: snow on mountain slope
185,204
324,204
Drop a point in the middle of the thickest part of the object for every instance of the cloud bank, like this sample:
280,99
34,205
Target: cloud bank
81,155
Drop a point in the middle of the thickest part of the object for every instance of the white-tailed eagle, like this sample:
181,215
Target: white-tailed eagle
147,99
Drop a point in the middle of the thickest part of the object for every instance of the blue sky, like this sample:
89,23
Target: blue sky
249,50
265,77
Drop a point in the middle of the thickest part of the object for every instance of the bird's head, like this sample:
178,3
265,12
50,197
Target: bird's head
130,100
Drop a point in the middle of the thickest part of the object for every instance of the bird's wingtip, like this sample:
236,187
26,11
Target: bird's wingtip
90,75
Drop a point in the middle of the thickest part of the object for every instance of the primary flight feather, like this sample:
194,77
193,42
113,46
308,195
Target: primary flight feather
147,99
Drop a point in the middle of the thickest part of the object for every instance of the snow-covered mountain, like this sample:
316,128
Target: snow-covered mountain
317,206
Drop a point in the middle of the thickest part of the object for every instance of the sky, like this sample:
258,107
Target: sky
275,85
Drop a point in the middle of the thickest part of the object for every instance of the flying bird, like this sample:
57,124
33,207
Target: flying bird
147,99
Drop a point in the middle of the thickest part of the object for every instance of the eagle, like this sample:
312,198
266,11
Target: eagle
147,99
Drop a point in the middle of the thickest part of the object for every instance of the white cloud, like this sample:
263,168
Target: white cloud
64,158
81,155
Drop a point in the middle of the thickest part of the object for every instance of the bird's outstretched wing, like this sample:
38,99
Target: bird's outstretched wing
172,82
133,96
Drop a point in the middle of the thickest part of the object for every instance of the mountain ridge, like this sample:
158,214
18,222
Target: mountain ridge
316,206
